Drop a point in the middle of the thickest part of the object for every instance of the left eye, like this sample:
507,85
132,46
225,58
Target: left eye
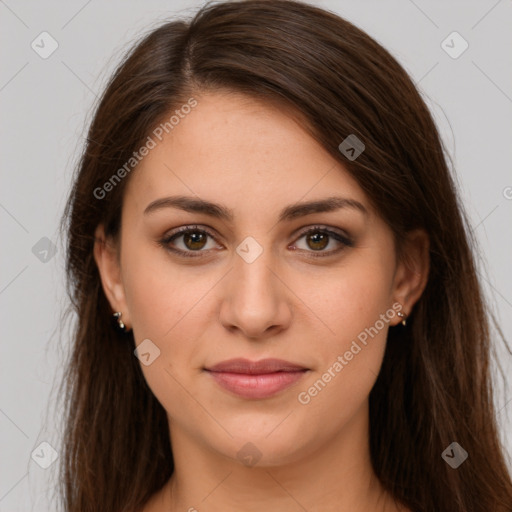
318,239
194,240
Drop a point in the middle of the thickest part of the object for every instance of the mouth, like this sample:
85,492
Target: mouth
256,379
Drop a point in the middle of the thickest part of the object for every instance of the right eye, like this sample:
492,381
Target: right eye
192,240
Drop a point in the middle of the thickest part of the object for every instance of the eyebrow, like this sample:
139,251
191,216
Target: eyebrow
195,205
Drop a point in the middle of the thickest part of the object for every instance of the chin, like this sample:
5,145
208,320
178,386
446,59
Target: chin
265,445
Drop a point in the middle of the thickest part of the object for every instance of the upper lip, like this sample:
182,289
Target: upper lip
263,366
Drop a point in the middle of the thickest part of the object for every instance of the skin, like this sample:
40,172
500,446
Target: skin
255,159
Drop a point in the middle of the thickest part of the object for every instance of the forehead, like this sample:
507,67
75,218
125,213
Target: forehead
242,151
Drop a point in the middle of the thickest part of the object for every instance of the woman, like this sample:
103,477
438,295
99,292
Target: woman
278,306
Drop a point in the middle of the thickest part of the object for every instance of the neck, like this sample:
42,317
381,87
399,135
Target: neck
336,476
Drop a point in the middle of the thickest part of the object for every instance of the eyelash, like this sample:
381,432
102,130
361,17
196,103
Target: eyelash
164,242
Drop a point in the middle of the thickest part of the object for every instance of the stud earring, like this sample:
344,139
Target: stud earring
120,324
404,318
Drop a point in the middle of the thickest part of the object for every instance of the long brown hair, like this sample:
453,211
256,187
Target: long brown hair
435,384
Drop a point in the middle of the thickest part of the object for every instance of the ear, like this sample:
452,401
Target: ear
107,260
412,270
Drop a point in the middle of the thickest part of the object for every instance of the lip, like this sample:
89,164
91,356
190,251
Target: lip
256,379
264,366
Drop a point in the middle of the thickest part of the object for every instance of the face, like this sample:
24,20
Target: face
317,288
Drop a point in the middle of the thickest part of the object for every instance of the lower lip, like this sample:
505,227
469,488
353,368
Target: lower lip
256,386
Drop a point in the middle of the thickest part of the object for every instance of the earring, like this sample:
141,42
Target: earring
404,317
120,324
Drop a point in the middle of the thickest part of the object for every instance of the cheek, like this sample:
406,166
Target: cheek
350,299
357,310
161,302
161,296
167,306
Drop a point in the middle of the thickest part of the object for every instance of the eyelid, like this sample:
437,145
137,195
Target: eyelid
328,229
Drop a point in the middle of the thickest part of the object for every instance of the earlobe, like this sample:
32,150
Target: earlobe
107,261
411,276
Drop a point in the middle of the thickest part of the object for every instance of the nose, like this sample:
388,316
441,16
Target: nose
256,300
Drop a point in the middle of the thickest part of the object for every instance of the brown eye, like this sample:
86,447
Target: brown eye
317,240
189,241
194,240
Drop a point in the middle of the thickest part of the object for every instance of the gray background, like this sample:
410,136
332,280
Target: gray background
46,105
